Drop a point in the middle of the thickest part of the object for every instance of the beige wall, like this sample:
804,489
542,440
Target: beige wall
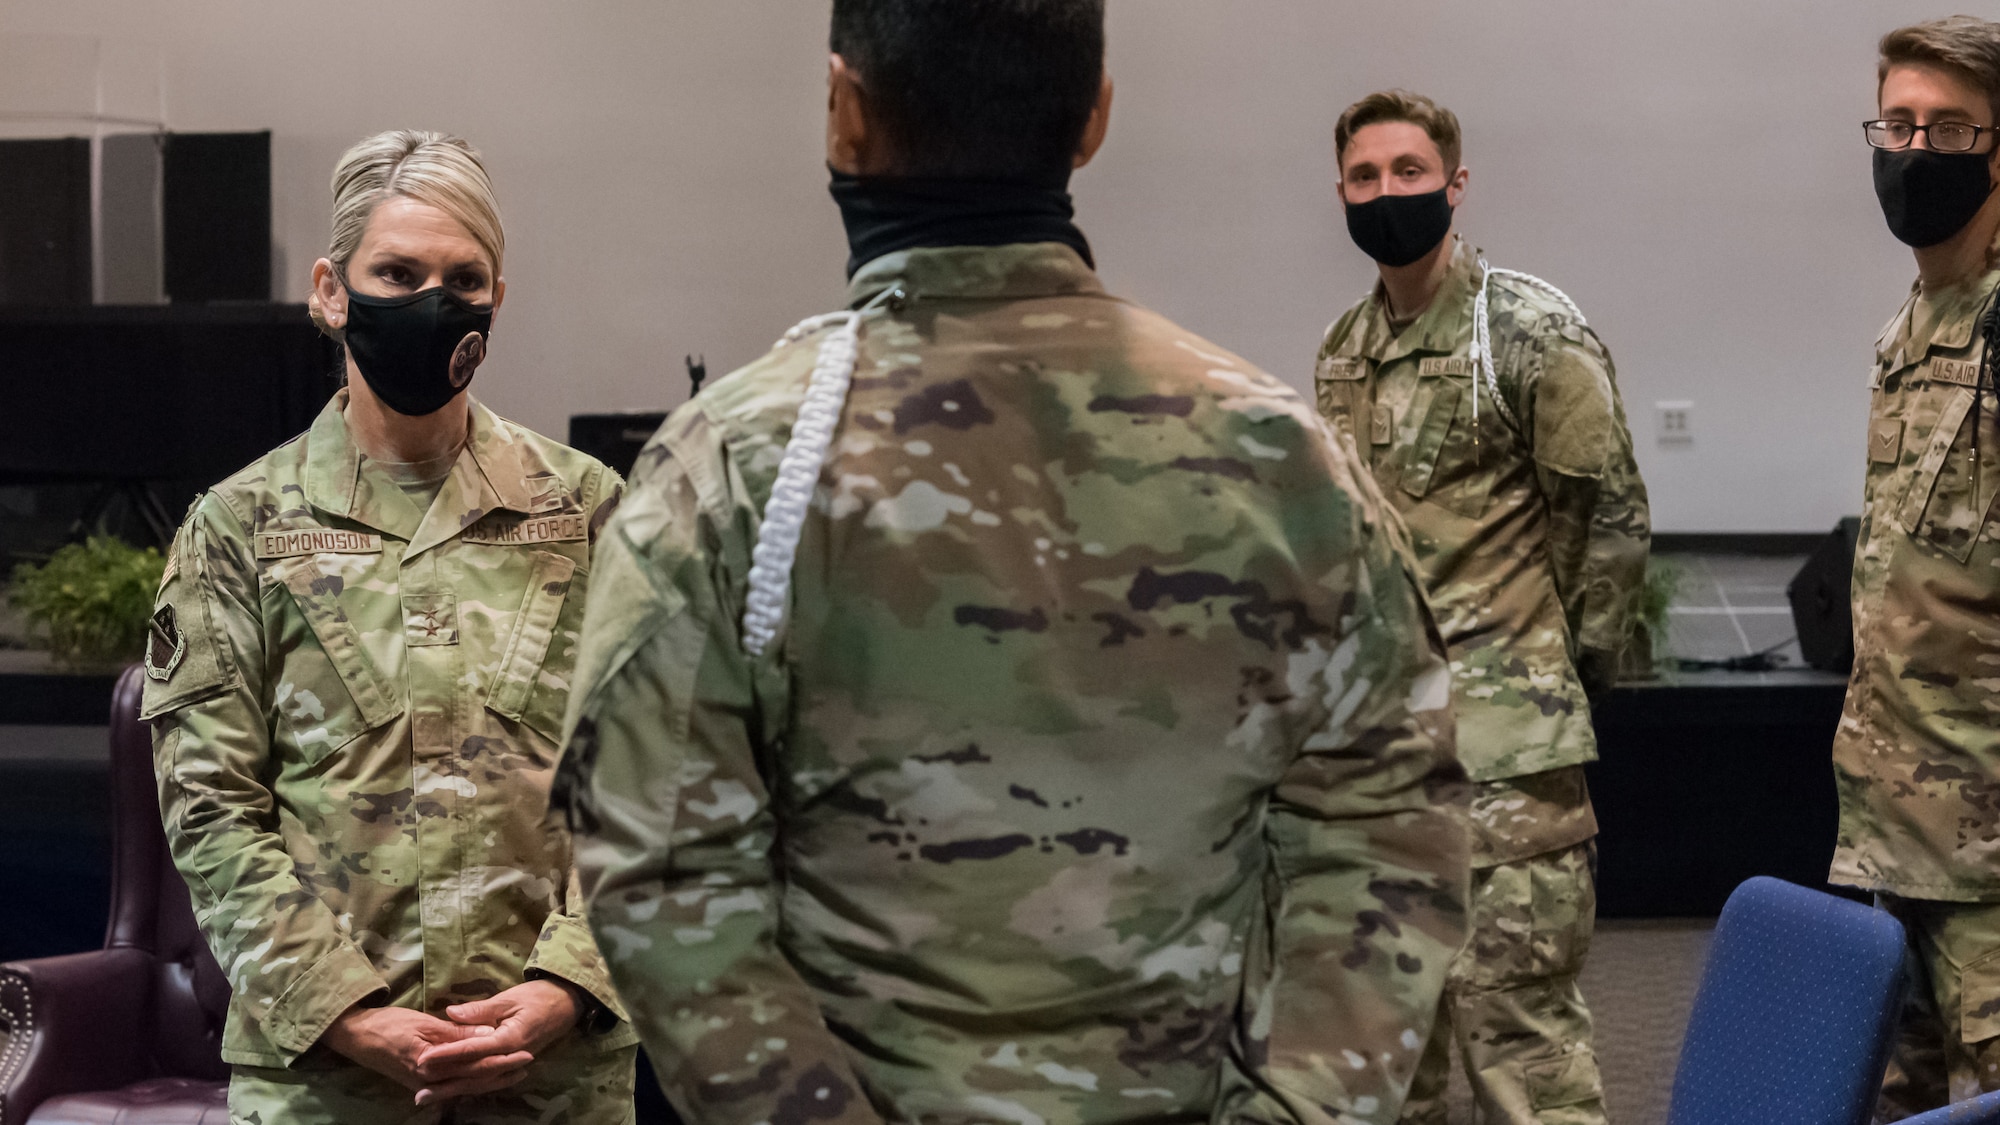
1692,173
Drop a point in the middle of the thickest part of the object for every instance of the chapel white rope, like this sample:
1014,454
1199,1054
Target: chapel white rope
798,472
1482,348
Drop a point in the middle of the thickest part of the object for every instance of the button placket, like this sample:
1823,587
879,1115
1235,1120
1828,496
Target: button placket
432,651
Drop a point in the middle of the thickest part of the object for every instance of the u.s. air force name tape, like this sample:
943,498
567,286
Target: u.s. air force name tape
316,541
544,529
1444,365
1958,372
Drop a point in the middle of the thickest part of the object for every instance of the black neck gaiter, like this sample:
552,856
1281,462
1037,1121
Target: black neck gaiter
884,214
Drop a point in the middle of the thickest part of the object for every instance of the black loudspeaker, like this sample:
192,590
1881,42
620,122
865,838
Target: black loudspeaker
615,439
45,222
215,217
1820,594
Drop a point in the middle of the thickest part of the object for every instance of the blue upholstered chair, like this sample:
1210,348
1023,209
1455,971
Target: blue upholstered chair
1796,1012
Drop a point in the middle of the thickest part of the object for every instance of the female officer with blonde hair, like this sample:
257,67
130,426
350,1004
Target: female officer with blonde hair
357,674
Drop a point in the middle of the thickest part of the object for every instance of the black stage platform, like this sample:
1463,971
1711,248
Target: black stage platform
1708,778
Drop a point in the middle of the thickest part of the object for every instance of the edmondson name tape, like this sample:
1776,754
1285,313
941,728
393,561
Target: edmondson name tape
315,541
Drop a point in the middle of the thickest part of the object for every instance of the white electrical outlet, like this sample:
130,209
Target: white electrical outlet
1674,422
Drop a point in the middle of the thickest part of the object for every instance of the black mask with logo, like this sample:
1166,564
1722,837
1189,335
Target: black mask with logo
1396,230
416,352
1930,196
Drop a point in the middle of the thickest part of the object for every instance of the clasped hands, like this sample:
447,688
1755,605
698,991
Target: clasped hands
484,1046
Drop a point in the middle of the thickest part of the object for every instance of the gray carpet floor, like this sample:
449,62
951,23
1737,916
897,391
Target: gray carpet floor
1639,982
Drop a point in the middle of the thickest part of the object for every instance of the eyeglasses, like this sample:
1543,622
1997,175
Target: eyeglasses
1942,136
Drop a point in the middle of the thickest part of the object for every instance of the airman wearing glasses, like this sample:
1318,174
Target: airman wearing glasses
1917,755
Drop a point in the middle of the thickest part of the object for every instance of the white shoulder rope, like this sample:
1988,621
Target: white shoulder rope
1482,347
798,471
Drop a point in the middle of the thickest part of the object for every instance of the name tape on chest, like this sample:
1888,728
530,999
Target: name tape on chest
1444,365
1958,372
316,541
1342,368
512,530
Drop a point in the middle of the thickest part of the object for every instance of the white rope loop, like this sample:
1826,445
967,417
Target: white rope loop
1482,343
798,474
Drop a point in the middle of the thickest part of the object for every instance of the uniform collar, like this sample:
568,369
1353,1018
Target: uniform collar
498,470
1443,328
999,273
1934,322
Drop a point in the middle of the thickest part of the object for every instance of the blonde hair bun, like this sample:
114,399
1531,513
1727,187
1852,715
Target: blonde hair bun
435,168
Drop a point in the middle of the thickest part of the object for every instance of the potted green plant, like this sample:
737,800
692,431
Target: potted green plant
1642,655
91,602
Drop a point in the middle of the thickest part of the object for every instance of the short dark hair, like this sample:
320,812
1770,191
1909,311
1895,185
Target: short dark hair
986,89
1965,45
1439,123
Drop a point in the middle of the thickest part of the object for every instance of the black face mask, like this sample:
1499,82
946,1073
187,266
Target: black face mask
1930,196
1396,230
418,351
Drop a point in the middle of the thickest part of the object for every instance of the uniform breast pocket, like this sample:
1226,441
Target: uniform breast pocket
1443,465
1941,507
531,686
328,691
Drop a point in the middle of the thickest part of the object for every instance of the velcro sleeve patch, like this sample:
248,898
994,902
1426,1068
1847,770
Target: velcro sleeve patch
1444,365
316,541
511,530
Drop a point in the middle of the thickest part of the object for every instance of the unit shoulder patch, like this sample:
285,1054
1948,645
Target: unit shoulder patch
166,646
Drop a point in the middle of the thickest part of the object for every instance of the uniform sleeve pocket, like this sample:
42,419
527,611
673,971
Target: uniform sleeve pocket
324,725
524,689
1979,998
184,658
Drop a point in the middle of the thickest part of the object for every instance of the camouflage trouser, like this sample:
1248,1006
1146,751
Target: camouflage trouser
580,1086
1948,1044
1511,1003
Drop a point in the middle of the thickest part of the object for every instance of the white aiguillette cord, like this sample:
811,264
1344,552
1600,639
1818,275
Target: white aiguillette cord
798,471
1482,346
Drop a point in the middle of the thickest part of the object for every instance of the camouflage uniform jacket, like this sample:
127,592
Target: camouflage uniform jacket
356,705
1102,771
1532,537
1917,755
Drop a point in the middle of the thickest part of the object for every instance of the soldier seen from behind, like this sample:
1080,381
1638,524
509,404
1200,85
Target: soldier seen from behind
1917,755
1000,704
1487,412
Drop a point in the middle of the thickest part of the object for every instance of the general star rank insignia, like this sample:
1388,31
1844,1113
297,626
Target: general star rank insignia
165,646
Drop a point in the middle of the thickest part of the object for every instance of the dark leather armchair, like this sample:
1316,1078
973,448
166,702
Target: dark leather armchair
131,1033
